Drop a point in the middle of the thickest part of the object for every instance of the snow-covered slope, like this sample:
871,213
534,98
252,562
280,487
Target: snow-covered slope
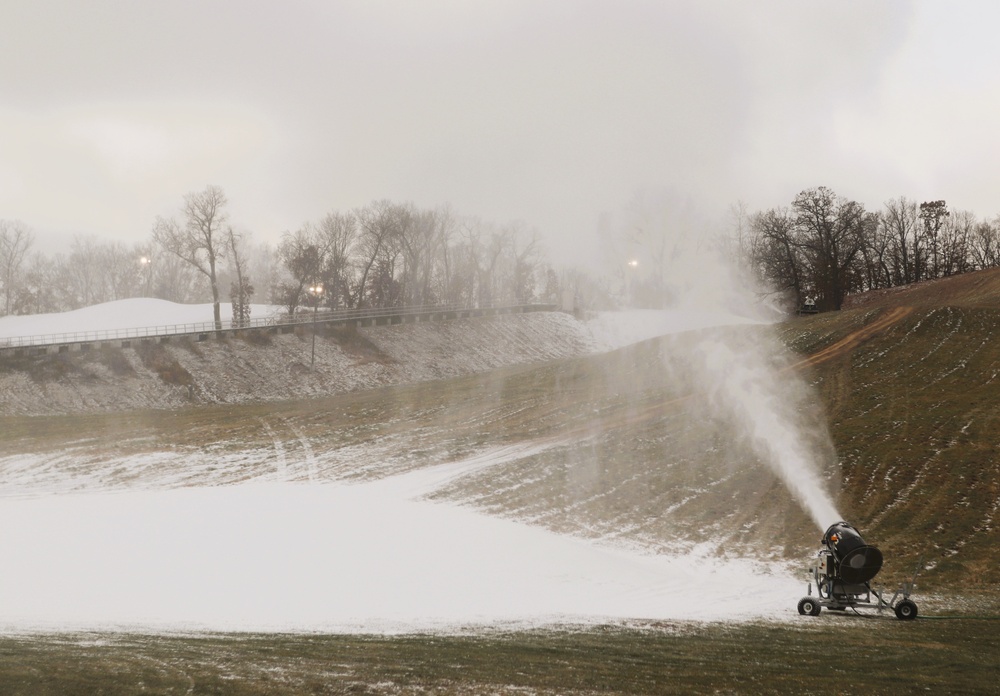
368,557
283,366
352,514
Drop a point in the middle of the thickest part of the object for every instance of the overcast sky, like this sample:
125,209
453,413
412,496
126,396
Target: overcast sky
549,113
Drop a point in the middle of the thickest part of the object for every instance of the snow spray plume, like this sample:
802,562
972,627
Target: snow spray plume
767,405
744,373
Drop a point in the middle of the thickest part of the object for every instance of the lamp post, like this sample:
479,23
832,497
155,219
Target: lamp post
147,267
316,291
633,264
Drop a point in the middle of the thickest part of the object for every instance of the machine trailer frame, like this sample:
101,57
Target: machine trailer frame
842,573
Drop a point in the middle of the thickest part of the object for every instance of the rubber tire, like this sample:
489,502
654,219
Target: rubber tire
808,605
906,610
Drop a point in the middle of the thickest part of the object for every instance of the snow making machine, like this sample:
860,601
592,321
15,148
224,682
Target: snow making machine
843,572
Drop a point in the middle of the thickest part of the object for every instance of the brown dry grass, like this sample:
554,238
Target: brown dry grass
976,289
830,654
158,359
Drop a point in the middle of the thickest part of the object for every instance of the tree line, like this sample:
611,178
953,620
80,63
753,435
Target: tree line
387,254
383,254
826,247
390,255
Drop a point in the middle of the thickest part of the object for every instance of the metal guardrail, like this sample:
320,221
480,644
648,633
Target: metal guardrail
306,316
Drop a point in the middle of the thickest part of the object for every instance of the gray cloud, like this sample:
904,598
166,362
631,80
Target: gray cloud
546,112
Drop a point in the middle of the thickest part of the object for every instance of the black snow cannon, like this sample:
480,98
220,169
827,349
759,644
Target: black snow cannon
843,572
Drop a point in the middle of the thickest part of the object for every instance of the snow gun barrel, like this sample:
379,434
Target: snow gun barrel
854,561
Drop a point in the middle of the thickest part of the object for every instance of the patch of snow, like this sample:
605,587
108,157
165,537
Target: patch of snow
276,556
372,556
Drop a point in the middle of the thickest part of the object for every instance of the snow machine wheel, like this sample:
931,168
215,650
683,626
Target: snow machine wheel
906,610
807,605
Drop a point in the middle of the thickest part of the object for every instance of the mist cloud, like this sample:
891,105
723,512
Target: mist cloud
549,113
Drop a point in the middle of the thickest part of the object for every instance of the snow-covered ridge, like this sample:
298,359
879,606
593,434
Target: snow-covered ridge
283,367
133,313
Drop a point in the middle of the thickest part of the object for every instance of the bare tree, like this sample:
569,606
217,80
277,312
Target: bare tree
446,227
38,291
98,271
337,235
241,289
899,222
469,272
421,254
125,270
84,274
264,266
933,213
984,245
302,256
484,247
552,291
526,252
739,244
776,256
15,241
956,240
874,258
461,271
830,233
176,280
201,240
378,225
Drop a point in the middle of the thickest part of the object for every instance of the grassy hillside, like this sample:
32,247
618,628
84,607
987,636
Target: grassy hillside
979,289
915,416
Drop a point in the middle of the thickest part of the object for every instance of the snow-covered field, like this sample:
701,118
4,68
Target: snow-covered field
135,313
334,556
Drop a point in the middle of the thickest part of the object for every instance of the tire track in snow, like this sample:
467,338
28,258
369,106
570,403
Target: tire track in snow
310,456
281,470
425,481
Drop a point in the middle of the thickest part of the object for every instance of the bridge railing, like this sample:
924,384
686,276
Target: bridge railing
302,316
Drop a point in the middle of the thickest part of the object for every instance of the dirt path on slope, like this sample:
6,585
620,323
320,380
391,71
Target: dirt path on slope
853,340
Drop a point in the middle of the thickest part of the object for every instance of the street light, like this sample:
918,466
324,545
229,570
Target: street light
316,291
147,265
632,264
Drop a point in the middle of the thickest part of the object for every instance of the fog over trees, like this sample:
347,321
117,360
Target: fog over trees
388,254
383,254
